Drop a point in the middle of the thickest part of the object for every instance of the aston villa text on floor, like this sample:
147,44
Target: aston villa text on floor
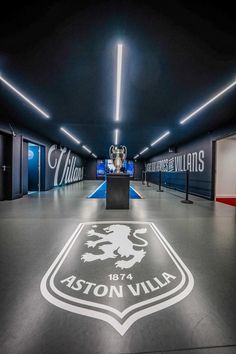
101,290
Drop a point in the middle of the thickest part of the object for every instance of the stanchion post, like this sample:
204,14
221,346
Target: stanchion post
159,187
186,200
147,181
143,173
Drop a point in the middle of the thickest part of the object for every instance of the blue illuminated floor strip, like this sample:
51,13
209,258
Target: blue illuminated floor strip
100,192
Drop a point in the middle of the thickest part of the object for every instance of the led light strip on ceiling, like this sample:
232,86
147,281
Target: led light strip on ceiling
160,138
70,135
118,88
118,80
4,81
87,149
116,136
153,143
184,120
144,150
65,131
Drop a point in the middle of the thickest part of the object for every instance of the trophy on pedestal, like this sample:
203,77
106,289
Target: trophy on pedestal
118,156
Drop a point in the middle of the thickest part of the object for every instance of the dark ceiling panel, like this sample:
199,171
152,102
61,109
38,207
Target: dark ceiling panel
63,55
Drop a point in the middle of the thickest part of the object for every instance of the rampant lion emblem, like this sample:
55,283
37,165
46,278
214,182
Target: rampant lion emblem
115,241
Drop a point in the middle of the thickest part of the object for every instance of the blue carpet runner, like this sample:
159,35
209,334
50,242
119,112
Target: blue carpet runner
100,192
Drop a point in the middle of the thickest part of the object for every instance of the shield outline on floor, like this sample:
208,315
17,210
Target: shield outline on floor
187,283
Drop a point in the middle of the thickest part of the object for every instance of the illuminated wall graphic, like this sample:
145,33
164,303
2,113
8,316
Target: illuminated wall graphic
100,172
67,167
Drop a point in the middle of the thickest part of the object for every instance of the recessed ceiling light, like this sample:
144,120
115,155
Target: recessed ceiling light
87,149
160,138
118,80
184,120
94,155
70,135
144,150
24,97
136,156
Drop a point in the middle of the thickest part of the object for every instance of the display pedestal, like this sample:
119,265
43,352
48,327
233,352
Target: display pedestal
117,196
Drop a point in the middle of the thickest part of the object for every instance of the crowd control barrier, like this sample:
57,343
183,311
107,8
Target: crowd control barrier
183,186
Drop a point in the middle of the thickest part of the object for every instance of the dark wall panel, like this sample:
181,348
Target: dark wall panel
17,190
197,157
64,167
25,167
90,169
3,168
8,162
139,166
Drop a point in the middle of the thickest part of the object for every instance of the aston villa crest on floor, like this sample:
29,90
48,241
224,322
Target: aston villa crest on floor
118,272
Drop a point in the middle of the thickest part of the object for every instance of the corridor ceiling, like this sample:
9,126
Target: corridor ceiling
63,56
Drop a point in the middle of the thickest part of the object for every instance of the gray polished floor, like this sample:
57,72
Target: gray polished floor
33,230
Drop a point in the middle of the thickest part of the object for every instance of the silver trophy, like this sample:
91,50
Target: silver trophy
118,156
